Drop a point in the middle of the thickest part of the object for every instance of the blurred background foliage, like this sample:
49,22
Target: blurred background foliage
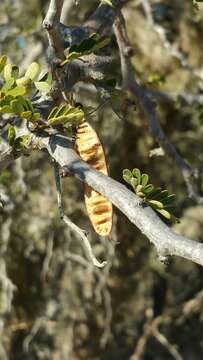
135,308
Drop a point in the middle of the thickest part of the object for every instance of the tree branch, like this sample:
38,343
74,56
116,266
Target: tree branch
166,241
59,35
52,24
67,6
149,109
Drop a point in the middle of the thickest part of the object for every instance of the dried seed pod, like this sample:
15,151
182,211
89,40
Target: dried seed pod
90,149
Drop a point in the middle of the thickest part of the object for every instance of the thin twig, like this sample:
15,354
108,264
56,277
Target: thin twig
151,329
164,342
33,332
48,257
71,225
149,109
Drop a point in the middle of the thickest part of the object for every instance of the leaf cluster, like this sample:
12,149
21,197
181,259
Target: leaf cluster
65,115
14,90
160,200
18,105
18,143
13,100
21,85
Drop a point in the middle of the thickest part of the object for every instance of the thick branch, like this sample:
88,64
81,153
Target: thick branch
166,241
67,6
54,12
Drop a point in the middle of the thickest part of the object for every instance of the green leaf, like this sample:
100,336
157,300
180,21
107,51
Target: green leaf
27,104
6,100
3,61
11,135
136,173
6,109
160,200
161,195
16,106
154,193
47,77
156,204
127,172
36,116
100,44
164,213
74,118
71,56
17,91
64,115
8,84
21,142
10,71
133,183
139,187
169,206
32,71
7,72
26,114
127,176
23,81
140,193
14,71
61,120
43,86
144,179
53,113
61,111
87,46
169,200
148,189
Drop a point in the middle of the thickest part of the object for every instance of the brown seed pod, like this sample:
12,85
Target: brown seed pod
90,149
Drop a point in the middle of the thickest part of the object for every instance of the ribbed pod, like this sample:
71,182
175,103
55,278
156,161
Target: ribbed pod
90,149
